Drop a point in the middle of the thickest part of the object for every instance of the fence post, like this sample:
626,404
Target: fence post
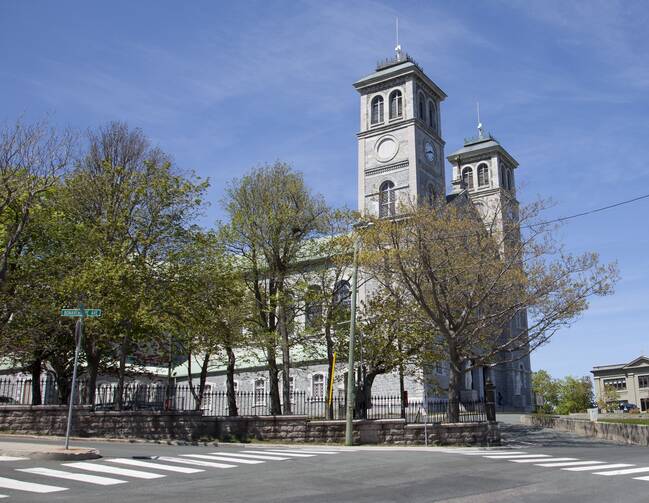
490,404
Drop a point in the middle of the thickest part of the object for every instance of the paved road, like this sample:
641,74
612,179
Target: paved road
534,466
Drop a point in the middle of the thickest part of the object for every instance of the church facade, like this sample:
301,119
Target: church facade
401,158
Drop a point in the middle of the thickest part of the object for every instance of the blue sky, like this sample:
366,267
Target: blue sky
224,86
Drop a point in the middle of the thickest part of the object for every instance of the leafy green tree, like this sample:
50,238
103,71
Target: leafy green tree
272,214
575,395
546,387
32,159
132,206
610,399
204,300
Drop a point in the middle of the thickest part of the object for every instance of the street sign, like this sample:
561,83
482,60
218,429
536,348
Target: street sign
89,313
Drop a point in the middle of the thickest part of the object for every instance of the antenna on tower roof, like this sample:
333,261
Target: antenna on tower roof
398,46
480,130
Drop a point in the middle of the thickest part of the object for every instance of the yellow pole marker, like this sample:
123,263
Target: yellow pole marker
331,379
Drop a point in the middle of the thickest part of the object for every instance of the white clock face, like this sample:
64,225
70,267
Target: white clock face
429,151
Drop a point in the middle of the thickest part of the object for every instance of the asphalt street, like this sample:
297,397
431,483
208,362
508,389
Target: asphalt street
533,465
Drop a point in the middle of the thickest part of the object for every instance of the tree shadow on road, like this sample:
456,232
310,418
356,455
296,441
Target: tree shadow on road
537,436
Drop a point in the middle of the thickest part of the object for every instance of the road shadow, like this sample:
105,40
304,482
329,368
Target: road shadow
537,436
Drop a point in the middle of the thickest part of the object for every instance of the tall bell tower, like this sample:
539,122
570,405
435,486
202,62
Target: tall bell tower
400,146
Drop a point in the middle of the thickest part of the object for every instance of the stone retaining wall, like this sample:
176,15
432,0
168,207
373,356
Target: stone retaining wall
51,420
636,434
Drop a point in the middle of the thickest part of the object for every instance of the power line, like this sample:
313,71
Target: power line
590,212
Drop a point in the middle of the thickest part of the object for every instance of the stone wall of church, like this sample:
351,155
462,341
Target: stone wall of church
193,426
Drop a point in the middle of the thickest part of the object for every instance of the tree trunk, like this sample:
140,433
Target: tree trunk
36,368
273,379
231,394
119,402
286,358
92,363
364,394
454,385
63,388
201,381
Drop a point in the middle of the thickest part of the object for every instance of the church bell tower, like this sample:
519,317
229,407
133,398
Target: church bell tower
400,146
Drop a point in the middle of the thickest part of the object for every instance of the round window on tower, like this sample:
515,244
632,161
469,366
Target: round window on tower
386,148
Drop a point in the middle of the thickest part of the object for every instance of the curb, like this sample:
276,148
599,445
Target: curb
72,454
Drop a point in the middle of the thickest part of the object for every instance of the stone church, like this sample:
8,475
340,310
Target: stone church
400,158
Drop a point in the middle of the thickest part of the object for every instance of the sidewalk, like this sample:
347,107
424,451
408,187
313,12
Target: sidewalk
46,451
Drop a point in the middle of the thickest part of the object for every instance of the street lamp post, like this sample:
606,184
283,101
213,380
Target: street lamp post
350,372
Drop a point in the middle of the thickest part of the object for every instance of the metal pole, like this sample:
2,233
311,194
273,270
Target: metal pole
79,335
350,372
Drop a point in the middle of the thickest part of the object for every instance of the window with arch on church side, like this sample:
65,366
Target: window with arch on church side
376,114
467,177
396,104
510,180
342,295
503,182
421,106
432,122
313,308
317,387
387,201
430,194
483,175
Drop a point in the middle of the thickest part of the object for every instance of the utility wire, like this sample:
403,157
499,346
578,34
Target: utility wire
590,212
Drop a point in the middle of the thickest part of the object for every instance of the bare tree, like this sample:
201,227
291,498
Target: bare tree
472,279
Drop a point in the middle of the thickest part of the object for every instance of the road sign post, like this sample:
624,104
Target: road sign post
81,313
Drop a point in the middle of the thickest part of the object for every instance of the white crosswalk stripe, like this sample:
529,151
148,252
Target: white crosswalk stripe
114,470
156,466
304,451
519,456
193,462
265,457
571,463
628,471
11,458
292,454
483,453
224,458
536,460
3,496
597,467
80,477
646,479
19,485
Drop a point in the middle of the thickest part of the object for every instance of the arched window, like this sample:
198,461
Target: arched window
510,180
342,295
260,391
313,308
377,110
317,387
503,182
467,177
430,194
483,175
386,199
396,104
421,106
432,119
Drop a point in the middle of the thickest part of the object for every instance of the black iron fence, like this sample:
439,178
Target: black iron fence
158,397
